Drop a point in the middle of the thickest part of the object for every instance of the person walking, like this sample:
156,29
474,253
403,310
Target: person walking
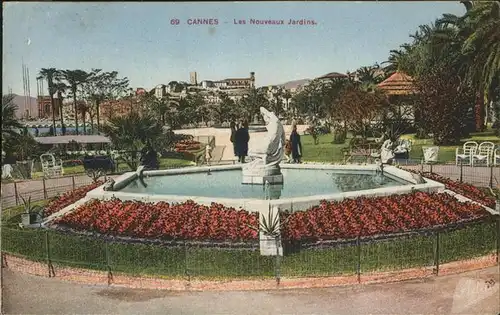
242,137
232,125
296,145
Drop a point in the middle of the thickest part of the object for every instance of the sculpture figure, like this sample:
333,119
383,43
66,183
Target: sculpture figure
266,158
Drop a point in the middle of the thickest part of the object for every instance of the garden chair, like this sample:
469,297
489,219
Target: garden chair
430,154
465,153
50,166
484,153
496,157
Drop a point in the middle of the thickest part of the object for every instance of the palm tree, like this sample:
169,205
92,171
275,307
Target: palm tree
10,123
476,36
50,74
75,78
60,88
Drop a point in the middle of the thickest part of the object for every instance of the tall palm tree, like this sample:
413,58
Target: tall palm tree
50,74
74,79
60,88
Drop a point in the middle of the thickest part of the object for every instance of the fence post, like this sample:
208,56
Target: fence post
73,182
277,262
431,167
436,254
358,265
491,176
461,171
186,269
44,189
47,249
108,263
498,235
15,193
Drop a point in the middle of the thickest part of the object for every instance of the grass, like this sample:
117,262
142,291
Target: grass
140,259
326,151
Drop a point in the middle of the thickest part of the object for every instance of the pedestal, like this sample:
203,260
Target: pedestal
262,179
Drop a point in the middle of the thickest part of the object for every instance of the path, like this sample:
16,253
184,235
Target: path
467,293
474,175
222,137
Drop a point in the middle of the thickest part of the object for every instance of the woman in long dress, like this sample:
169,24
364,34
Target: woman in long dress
296,145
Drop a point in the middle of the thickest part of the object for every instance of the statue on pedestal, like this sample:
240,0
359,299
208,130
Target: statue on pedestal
266,158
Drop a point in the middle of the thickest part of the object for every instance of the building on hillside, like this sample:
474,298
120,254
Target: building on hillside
117,108
193,78
140,91
332,76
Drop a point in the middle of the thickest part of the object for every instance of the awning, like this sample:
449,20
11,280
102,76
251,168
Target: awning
68,139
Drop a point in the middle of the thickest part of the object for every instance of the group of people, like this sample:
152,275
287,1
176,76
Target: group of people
240,138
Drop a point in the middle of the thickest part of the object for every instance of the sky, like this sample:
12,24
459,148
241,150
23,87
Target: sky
140,42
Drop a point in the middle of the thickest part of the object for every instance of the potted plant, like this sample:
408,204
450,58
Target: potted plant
31,212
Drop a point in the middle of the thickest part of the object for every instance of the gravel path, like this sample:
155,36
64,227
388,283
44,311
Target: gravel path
468,293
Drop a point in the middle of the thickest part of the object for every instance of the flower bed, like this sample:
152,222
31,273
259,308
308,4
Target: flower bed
377,216
162,220
187,145
60,202
464,189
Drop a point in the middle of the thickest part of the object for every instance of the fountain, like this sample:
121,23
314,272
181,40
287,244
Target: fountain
263,185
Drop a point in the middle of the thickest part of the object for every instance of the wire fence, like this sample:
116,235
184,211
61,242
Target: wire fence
55,252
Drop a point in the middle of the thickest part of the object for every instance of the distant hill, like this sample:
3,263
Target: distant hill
20,101
295,83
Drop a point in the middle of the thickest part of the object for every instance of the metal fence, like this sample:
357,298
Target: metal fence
56,252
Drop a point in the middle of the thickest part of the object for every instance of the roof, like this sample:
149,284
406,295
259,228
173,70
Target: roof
333,75
68,139
398,84
237,79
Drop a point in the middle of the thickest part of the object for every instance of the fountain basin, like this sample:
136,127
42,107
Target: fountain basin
305,185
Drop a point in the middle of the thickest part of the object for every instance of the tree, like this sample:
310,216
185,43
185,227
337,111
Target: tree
60,88
358,108
74,79
50,74
103,86
250,103
438,94
132,132
225,110
10,123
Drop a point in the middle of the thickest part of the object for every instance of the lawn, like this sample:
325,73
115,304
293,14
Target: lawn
326,151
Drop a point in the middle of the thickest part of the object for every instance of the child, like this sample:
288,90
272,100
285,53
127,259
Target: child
208,154
288,151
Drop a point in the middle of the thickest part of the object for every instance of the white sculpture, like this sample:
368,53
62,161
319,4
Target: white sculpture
386,153
266,158
7,171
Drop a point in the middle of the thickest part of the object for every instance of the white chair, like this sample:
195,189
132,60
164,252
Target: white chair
50,166
465,153
430,154
484,153
496,157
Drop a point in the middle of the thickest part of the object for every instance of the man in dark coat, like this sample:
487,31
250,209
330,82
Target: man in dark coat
242,137
296,145
233,134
